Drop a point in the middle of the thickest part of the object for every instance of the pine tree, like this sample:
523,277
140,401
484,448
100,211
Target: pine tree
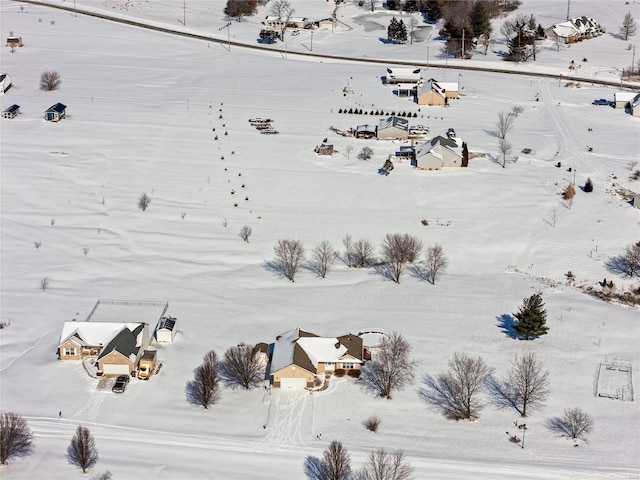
479,19
532,318
392,29
401,34
588,186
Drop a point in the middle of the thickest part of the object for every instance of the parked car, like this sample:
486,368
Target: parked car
121,384
601,101
451,133
418,130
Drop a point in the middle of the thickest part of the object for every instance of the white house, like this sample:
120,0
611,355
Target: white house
437,153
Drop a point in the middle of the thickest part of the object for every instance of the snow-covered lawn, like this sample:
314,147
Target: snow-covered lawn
143,113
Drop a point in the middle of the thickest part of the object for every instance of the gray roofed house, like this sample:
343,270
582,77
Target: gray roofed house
439,152
298,357
393,128
121,354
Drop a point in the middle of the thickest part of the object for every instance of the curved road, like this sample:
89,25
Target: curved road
173,31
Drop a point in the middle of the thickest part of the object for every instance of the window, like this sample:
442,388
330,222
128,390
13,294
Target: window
69,352
348,366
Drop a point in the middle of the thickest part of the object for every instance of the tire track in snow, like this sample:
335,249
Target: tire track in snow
286,427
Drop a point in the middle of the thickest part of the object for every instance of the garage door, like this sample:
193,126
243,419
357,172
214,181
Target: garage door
293,383
115,369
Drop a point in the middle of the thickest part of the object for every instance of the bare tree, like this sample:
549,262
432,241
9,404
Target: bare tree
44,283
569,193
630,260
204,390
323,256
289,255
50,80
391,368
245,233
629,27
436,262
347,241
82,450
241,367
366,154
336,463
16,439
143,201
363,251
575,423
284,11
504,124
504,146
526,386
348,149
455,392
413,27
371,4
240,8
383,465
398,250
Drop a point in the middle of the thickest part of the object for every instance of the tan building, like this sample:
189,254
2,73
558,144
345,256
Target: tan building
299,357
437,93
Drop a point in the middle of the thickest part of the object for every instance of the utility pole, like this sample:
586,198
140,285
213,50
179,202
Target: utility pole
312,39
184,12
75,14
568,8
228,34
462,56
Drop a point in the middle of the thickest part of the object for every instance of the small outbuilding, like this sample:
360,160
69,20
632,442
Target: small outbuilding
324,149
366,131
166,330
11,112
5,83
55,112
14,42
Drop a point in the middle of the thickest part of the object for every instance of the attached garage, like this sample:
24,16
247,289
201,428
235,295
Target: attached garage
293,383
115,369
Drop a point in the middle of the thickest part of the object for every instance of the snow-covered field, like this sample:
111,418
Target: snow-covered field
142,107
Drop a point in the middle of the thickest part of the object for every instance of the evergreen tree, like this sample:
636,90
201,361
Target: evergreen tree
401,34
532,318
479,19
465,155
588,185
433,10
392,29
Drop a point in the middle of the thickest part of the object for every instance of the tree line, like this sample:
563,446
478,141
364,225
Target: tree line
396,252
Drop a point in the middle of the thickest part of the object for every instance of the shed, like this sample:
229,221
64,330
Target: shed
324,149
5,82
636,200
366,131
14,42
11,112
55,112
166,330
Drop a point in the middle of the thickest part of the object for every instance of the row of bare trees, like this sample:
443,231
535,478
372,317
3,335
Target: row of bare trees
16,440
397,252
240,367
335,464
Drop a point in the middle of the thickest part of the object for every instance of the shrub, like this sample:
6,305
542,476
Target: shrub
50,80
339,372
372,423
144,201
354,373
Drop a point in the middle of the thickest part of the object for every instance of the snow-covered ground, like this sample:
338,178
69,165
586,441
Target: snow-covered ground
142,107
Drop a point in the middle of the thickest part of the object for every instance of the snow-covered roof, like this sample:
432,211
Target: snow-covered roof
624,96
432,84
403,74
93,333
127,342
449,86
397,122
439,141
307,350
366,128
565,29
